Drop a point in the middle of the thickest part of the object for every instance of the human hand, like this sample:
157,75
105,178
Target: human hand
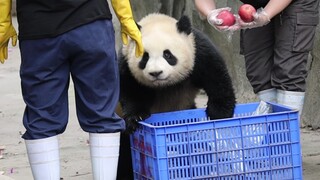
216,22
261,18
6,33
130,29
128,26
7,30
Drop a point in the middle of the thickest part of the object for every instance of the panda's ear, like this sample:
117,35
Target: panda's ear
184,25
139,27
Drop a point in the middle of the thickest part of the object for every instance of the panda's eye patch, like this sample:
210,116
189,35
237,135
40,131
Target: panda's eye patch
144,60
171,59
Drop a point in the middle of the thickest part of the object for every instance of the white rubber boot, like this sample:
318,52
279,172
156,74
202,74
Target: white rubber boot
291,99
268,95
104,150
44,158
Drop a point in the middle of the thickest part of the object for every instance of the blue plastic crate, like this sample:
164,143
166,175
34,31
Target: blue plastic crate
184,145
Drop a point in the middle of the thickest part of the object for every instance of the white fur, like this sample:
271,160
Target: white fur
159,32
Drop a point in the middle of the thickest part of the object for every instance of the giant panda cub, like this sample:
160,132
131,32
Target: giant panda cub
178,61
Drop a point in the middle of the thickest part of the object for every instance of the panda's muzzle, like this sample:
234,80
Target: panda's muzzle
156,74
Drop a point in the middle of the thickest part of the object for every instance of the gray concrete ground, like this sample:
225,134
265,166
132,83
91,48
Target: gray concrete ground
75,161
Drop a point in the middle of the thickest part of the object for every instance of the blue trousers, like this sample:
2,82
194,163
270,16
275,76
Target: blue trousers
87,54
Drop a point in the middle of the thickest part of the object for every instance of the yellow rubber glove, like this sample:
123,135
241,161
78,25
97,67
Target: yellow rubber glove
122,8
7,31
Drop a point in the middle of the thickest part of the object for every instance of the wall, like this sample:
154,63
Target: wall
311,113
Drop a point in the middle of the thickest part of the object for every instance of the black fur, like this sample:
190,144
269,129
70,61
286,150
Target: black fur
210,74
184,25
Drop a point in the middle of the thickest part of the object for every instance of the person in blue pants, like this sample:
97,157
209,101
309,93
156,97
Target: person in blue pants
63,39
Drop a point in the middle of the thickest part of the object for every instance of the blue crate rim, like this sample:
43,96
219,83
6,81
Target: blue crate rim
289,111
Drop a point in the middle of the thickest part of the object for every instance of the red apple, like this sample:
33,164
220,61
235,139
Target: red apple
246,12
227,18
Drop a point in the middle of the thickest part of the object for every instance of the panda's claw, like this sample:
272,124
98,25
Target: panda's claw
132,122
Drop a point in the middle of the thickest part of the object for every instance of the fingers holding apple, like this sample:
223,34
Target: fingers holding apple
249,17
227,18
223,19
247,12
246,17
228,21
212,16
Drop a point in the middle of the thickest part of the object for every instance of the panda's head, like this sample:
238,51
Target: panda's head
169,51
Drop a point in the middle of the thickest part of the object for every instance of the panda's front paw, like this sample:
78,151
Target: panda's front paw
132,122
219,112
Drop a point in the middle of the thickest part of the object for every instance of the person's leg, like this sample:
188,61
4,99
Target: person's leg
257,48
95,75
43,155
44,83
104,151
291,99
268,95
294,40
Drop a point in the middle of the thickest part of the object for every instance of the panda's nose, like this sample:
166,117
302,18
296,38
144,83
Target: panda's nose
155,73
